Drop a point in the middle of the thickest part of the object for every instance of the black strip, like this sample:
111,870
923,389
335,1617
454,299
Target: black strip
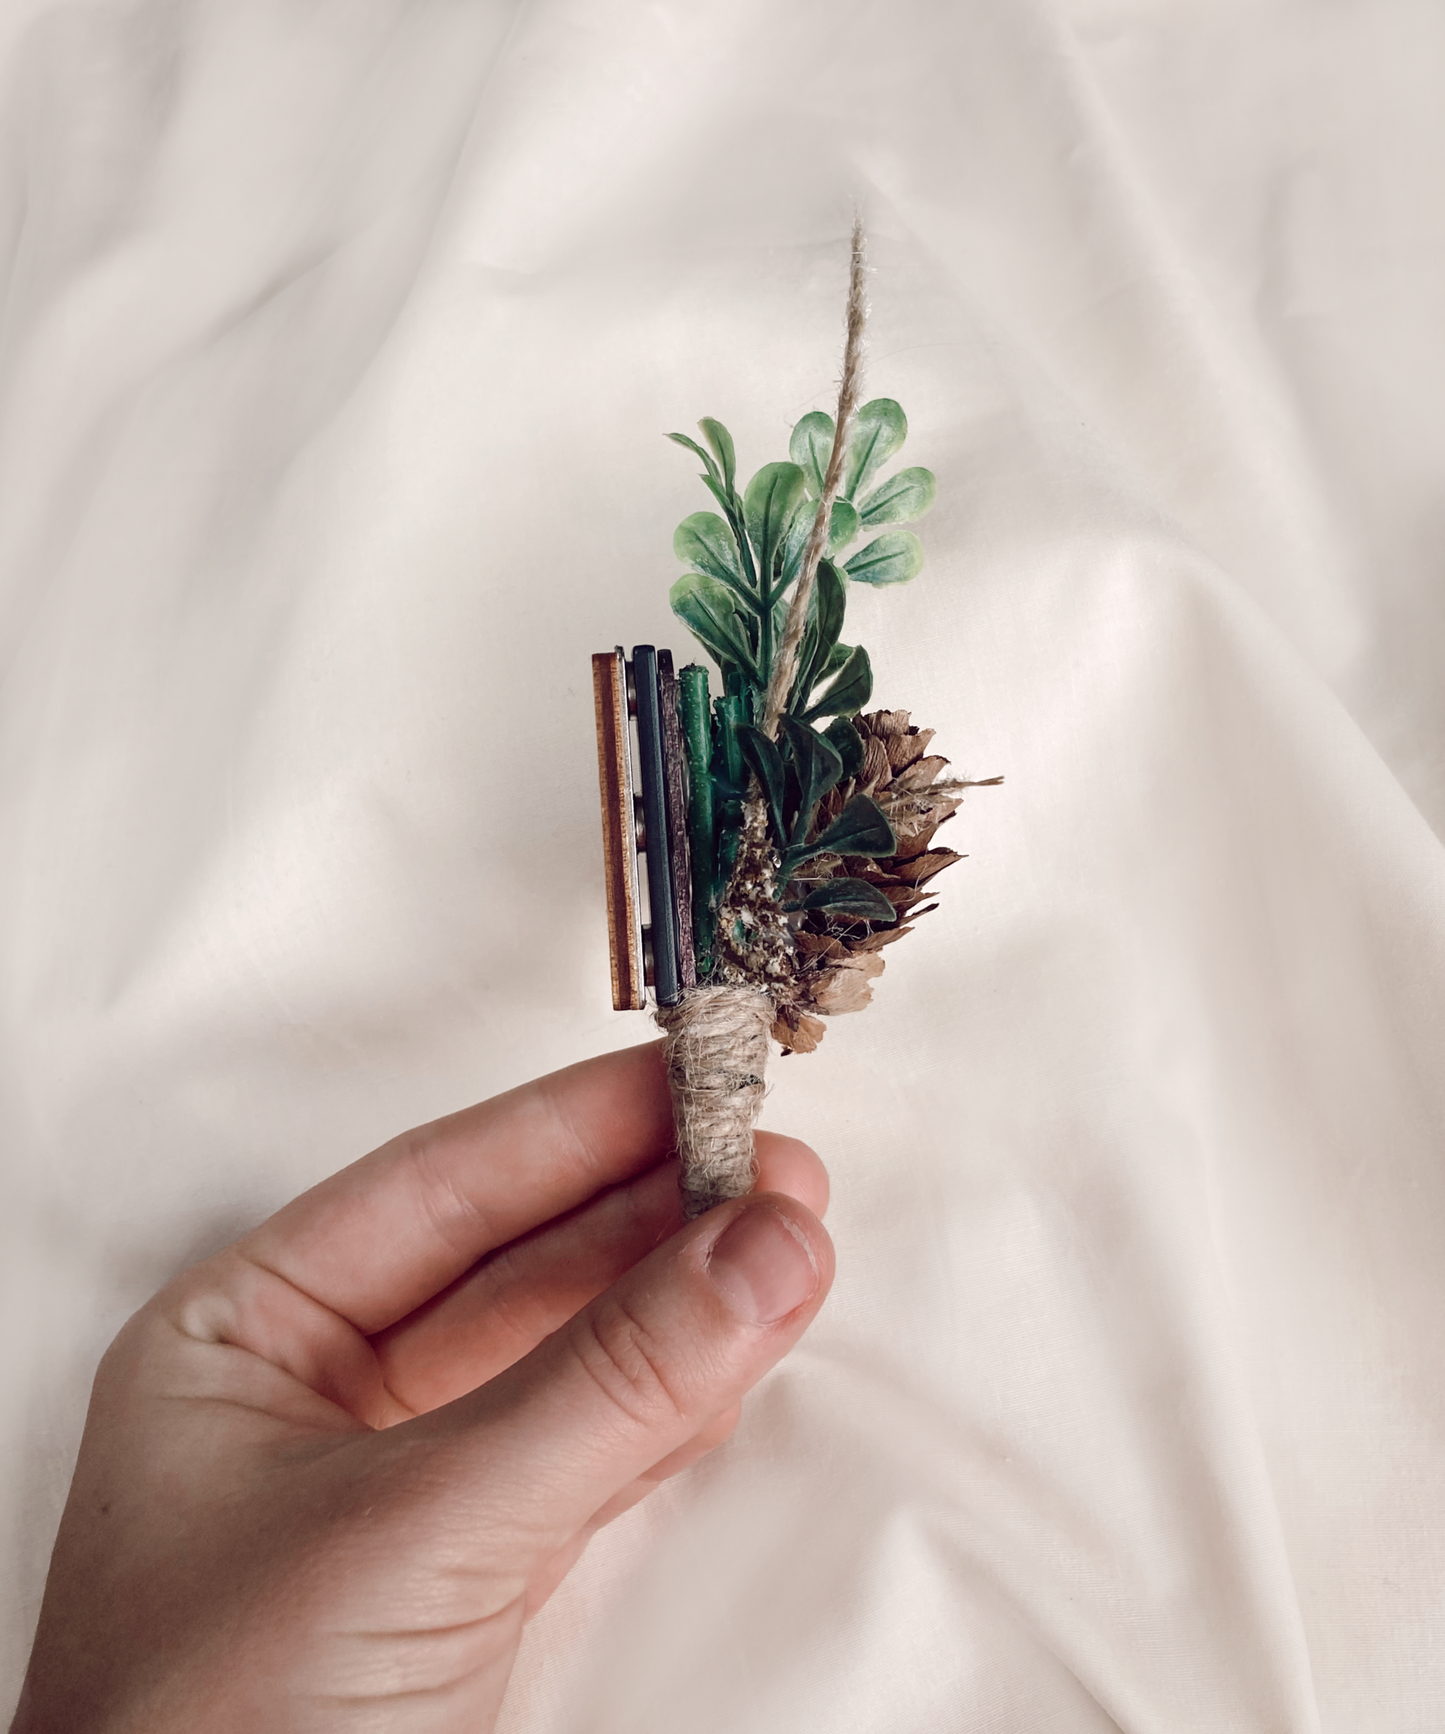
667,981
674,775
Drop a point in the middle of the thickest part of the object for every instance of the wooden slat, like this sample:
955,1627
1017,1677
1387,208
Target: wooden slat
619,837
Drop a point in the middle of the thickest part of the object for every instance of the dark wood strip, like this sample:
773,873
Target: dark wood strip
619,839
674,775
662,918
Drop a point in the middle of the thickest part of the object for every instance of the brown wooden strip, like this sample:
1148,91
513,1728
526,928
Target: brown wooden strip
619,836
674,770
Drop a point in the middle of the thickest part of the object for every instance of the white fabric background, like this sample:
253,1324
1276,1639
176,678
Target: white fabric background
337,345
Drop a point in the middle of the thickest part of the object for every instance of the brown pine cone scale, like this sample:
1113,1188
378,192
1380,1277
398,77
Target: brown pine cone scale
836,957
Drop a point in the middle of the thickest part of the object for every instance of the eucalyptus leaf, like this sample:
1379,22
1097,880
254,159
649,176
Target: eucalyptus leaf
901,499
849,692
878,430
770,504
705,541
810,448
843,525
721,441
816,765
847,743
856,897
892,558
763,755
706,607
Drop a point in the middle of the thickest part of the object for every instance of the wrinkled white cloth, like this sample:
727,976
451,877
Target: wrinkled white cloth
338,343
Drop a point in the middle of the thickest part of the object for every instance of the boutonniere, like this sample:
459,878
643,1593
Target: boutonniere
787,833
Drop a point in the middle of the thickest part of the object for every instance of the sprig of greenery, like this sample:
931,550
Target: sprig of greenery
734,600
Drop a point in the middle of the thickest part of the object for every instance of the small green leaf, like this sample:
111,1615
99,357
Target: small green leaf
705,541
706,608
860,829
810,448
901,499
878,430
892,558
834,660
856,897
770,505
683,440
849,692
763,755
842,526
795,545
847,743
721,441
830,600
816,765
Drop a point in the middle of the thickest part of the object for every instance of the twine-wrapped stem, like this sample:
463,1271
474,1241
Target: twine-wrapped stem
717,1059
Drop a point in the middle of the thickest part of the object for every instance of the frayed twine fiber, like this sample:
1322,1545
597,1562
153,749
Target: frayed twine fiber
717,1061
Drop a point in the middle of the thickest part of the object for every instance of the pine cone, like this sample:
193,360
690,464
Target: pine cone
837,956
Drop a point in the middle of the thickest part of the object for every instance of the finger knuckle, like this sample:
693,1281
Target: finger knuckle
624,1359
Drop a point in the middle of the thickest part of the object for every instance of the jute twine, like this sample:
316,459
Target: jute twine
717,1060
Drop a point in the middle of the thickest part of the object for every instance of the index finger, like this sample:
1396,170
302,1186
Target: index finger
377,1239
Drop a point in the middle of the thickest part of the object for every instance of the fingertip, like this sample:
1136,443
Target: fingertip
790,1166
771,1261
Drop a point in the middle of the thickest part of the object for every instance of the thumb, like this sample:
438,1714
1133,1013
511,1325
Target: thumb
638,1372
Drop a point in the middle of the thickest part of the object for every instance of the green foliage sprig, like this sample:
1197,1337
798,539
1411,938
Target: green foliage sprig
735,601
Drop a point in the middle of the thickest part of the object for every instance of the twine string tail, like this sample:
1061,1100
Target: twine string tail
785,664
717,1058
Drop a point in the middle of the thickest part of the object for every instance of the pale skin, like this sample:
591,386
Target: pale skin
329,1474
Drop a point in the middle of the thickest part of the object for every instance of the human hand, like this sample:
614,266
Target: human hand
328,1473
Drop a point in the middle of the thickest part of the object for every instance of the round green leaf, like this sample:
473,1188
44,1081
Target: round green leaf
770,505
706,608
705,541
901,499
810,448
892,558
878,430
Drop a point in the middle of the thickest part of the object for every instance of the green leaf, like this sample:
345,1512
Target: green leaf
902,498
830,600
856,897
705,541
860,829
849,692
683,440
721,441
817,767
834,660
706,608
892,558
810,448
847,743
843,525
763,755
769,506
878,430
794,546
